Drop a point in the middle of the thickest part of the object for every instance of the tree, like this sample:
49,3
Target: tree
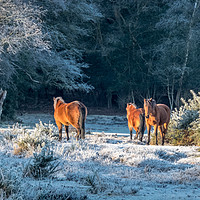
122,48
21,28
40,45
175,61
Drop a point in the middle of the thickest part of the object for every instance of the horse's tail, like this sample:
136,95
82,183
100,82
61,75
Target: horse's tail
142,125
82,118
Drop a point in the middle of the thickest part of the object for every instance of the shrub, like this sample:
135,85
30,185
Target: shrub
94,182
26,140
91,181
184,127
42,165
8,183
46,129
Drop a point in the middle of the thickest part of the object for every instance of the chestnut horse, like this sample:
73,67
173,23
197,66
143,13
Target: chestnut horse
158,116
136,120
66,114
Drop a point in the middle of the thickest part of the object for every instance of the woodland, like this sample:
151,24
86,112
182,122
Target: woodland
104,53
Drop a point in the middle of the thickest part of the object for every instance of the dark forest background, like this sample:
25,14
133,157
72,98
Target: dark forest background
104,53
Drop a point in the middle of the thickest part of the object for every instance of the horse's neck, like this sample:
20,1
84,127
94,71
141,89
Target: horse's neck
155,111
132,109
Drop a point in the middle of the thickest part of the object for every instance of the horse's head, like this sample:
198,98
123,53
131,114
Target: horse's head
149,106
56,100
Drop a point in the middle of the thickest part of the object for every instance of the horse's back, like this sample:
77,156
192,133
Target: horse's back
59,113
165,107
164,113
134,118
75,109
68,113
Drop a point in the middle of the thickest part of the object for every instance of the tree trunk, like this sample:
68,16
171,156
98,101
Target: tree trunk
189,36
109,99
170,93
2,98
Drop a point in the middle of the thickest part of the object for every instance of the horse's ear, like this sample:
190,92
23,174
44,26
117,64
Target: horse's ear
54,98
128,106
153,103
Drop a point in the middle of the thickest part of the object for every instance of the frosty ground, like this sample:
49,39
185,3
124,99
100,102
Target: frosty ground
106,165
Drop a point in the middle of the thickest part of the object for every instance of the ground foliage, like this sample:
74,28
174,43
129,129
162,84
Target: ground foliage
103,166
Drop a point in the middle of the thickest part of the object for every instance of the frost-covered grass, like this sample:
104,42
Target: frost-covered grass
103,166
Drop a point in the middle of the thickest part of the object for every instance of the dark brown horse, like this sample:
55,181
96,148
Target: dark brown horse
136,120
158,116
66,114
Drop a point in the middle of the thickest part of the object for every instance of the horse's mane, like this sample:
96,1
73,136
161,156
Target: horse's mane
56,101
133,104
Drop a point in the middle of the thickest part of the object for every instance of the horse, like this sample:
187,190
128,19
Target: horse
136,120
73,113
158,116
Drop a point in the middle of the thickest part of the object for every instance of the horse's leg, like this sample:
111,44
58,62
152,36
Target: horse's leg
131,132
82,134
156,133
163,138
141,127
148,132
141,136
78,134
164,132
60,130
136,136
67,131
160,128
